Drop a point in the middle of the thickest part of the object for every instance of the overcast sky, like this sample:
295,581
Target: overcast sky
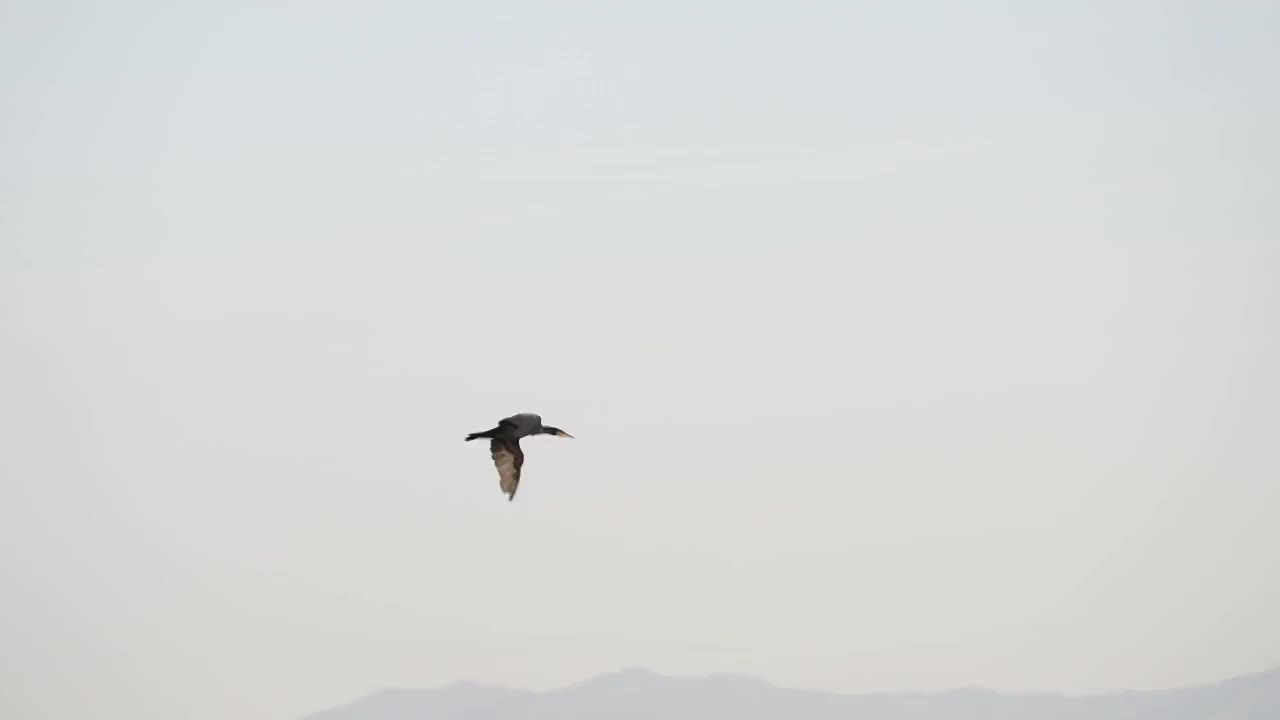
908,345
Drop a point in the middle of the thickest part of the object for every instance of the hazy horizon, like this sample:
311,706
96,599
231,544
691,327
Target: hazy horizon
906,346
639,693
640,670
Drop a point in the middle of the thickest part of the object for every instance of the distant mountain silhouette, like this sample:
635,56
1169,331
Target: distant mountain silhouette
635,694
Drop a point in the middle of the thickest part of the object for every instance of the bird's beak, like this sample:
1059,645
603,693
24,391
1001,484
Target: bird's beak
564,434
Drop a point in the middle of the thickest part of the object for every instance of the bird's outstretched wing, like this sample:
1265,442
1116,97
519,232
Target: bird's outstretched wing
508,458
521,424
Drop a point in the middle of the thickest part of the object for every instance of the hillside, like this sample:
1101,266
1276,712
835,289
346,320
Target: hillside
635,694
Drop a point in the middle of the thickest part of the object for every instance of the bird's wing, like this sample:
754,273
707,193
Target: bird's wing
508,458
522,424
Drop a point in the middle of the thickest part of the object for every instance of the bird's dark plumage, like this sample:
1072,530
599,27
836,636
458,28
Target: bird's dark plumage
504,446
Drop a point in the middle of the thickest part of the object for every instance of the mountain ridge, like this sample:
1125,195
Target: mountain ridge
639,693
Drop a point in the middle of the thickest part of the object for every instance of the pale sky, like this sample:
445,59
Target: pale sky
908,345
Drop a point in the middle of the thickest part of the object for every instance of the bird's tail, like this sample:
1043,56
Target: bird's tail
485,434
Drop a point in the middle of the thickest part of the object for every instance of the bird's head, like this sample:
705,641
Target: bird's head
548,430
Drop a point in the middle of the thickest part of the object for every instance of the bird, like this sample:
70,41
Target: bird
504,445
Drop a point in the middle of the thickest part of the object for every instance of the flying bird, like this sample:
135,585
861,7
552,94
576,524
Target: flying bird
504,445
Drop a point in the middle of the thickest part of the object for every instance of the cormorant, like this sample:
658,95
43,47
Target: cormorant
504,444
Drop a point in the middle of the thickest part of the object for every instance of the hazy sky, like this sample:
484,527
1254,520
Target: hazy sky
908,345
